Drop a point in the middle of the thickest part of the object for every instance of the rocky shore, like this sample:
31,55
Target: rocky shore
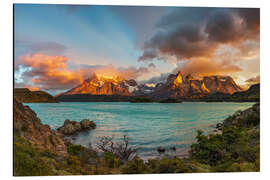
27,125
72,127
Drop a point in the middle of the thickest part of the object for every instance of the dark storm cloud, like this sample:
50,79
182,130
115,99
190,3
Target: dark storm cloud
188,33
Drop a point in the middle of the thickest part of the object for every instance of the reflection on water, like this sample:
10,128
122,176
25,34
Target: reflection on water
149,125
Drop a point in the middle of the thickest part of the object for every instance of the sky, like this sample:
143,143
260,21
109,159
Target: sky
56,47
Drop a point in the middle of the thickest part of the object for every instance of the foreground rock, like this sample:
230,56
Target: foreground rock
28,126
72,127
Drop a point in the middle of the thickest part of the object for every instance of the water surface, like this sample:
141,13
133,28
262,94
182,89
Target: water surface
149,125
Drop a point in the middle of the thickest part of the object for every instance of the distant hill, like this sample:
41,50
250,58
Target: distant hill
250,95
253,93
27,96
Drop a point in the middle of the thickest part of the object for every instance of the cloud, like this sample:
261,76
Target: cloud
253,80
152,65
206,67
157,79
192,33
141,19
52,72
47,72
32,46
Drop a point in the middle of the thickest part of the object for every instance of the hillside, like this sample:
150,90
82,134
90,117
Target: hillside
27,96
250,95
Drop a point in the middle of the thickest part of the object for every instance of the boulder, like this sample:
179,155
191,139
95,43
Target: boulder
67,129
72,127
87,124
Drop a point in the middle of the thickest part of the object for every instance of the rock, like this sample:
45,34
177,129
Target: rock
87,124
27,125
72,127
77,126
161,149
67,122
67,129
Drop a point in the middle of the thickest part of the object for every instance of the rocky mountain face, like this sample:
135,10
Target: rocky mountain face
176,86
27,125
179,86
27,96
104,85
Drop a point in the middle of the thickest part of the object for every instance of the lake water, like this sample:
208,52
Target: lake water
148,125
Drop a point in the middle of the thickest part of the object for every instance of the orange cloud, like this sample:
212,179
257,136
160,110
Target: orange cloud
52,72
206,67
48,72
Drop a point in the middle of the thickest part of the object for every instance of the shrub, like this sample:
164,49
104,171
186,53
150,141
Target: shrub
135,166
27,161
75,149
166,165
111,160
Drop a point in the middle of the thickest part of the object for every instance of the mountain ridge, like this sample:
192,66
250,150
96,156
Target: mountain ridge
177,86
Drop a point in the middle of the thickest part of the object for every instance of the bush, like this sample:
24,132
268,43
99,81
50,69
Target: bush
75,149
135,166
27,161
166,165
111,160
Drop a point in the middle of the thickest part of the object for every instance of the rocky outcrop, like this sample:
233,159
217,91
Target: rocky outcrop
27,96
27,125
222,84
72,127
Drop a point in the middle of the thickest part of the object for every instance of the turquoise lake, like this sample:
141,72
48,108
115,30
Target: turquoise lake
148,125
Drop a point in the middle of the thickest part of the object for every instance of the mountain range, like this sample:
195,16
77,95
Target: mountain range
177,86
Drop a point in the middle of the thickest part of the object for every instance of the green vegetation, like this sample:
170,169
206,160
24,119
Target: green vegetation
28,161
236,149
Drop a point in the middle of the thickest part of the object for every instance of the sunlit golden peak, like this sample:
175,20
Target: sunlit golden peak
109,77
